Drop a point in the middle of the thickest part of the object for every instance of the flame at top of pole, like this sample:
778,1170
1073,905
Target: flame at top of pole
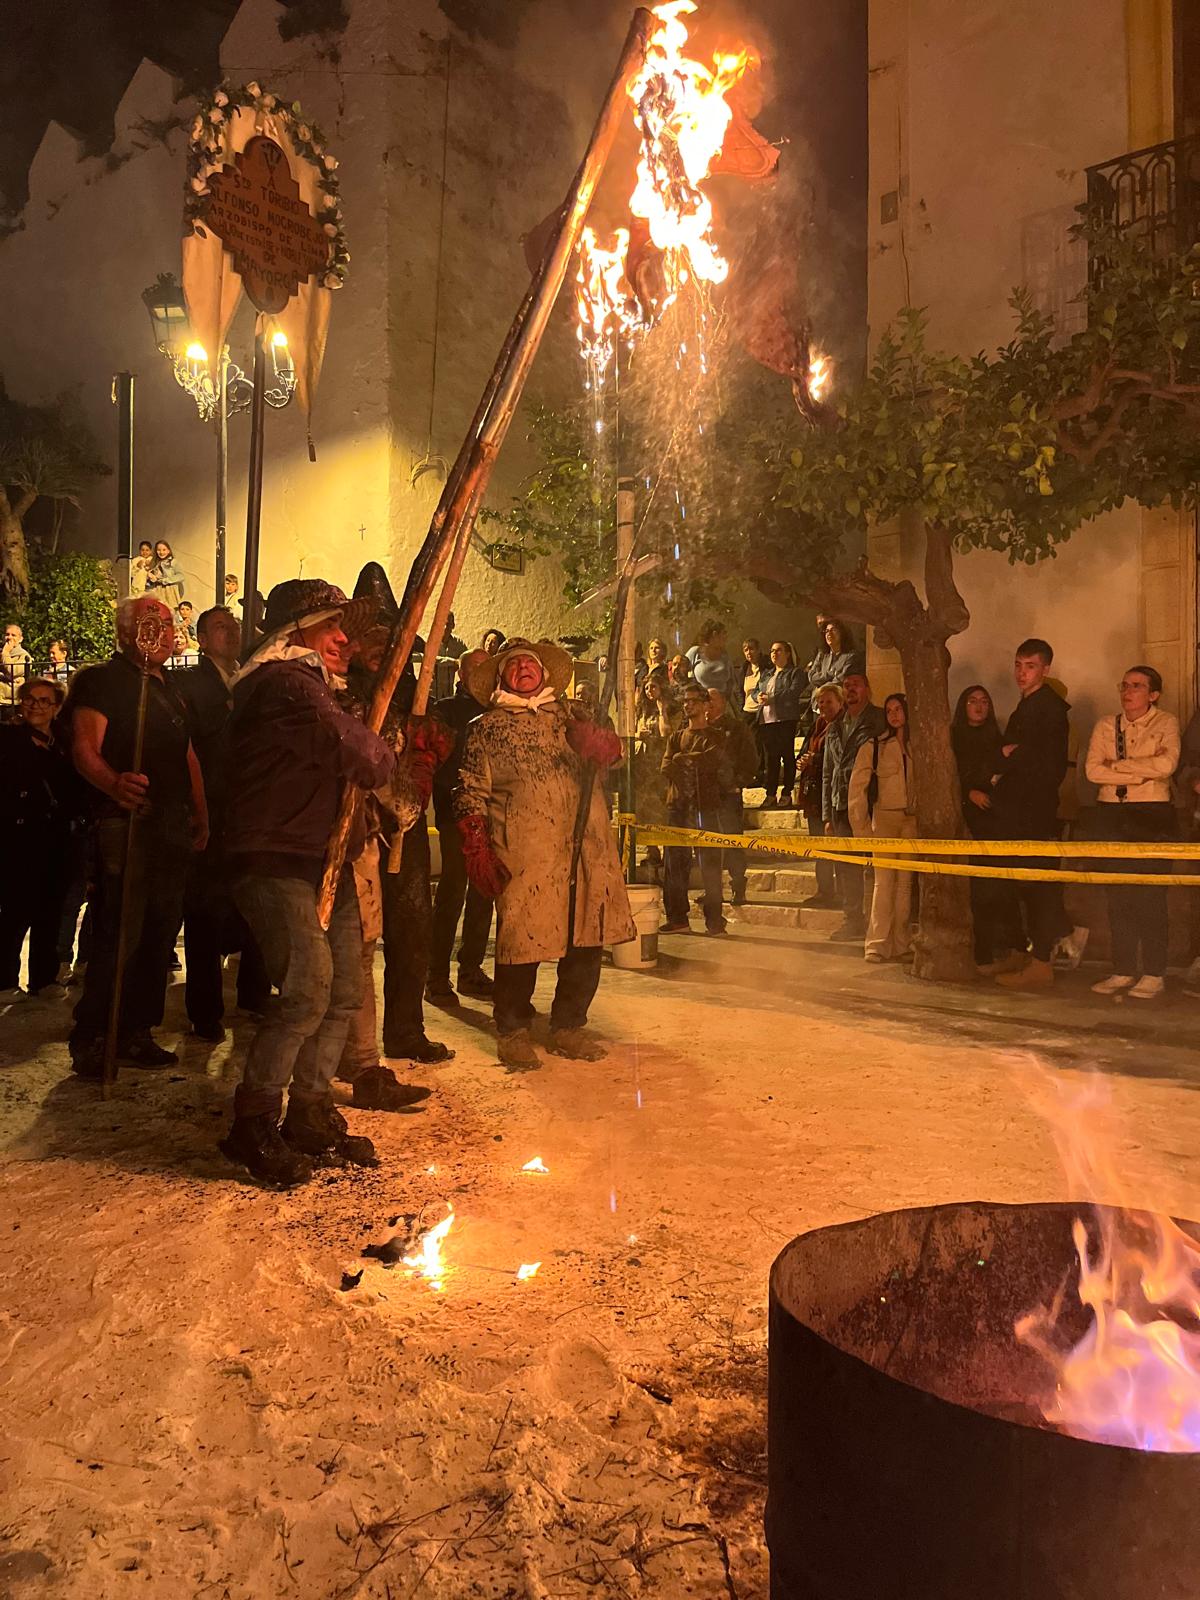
683,116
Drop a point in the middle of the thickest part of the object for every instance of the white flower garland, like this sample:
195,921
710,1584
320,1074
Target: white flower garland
205,156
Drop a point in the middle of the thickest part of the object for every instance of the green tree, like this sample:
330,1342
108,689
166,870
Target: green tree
71,596
1012,452
46,453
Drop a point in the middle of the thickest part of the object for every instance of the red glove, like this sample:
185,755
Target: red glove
594,743
486,873
428,744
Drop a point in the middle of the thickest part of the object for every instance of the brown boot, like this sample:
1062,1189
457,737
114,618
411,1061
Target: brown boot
577,1044
517,1053
1034,974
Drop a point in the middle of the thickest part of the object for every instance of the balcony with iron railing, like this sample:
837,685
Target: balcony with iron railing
1150,195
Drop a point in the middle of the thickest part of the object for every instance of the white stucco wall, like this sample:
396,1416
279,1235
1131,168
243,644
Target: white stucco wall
983,118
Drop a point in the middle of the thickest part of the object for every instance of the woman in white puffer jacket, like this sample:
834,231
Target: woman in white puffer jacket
885,807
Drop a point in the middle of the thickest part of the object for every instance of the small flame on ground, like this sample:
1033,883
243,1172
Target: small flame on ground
536,1165
427,1263
432,1171
528,1269
1133,1378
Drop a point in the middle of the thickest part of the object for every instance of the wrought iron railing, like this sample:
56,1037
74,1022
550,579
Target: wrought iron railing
1151,195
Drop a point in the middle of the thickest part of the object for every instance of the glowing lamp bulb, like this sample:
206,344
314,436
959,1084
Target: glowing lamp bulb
197,354
279,339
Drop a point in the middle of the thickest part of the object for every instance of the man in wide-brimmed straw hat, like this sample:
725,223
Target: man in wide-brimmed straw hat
292,752
515,805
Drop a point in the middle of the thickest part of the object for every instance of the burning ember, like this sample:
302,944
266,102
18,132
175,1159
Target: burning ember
427,1263
536,1165
820,371
683,116
1133,1379
529,1269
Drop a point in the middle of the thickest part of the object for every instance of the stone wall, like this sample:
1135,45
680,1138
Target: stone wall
497,101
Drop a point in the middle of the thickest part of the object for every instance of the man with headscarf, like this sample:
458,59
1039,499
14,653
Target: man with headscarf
518,795
294,750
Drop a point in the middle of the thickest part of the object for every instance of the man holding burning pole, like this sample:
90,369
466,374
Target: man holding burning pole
294,750
523,769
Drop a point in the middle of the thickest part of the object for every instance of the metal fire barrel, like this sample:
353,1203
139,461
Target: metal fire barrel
907,1454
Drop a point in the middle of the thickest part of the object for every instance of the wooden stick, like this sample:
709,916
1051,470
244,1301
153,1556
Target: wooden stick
473,466
437,630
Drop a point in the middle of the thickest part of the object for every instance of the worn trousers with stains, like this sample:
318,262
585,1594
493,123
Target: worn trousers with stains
578,980
407,936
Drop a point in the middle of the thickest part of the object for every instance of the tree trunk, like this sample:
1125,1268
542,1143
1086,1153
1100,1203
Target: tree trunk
14,558
919,630
945,942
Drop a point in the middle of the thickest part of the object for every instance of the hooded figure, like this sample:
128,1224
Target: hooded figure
515,807
421,745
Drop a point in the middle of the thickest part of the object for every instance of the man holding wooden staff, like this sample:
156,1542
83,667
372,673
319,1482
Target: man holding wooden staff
294,751
515,808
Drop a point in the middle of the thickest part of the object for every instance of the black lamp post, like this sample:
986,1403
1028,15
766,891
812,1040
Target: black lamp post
217,397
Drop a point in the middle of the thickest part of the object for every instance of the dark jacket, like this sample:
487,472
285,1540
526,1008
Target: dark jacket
292,750
40,796
1028,781
977,753
699,767
842,744
458,712
208,703
743,752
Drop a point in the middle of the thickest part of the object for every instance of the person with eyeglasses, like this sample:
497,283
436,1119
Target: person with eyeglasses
38,798
1131,758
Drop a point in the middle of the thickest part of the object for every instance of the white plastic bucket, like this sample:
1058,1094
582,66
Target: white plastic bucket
645,901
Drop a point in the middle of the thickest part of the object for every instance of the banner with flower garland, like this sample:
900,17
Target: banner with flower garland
219,161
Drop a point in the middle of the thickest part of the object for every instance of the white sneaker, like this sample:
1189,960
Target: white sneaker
9,997
1147,988
1068,952
1114,985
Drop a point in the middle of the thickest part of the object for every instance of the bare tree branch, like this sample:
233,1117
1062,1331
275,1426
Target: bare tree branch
946,607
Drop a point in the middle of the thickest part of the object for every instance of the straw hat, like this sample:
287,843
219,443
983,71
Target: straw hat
482,673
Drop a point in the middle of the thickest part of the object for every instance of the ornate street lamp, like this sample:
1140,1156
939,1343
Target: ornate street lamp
219,395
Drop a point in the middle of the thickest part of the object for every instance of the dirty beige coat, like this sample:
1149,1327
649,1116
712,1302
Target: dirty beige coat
521,774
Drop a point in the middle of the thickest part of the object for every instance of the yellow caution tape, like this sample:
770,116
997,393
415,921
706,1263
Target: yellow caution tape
853,853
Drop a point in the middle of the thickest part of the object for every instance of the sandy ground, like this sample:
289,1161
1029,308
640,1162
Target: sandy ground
193,1406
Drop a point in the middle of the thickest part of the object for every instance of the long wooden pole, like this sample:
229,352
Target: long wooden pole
469,476
258,413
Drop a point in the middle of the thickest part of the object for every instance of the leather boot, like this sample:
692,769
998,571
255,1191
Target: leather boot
378,1089
255,1143
317,1128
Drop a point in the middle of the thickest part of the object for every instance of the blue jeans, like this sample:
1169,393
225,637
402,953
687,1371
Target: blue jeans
319,975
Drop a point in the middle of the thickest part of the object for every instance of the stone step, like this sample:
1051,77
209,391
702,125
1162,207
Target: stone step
775,821
798,882
784,914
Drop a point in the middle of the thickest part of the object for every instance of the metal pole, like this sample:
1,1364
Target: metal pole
254,493
222,425
626,718
123,396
